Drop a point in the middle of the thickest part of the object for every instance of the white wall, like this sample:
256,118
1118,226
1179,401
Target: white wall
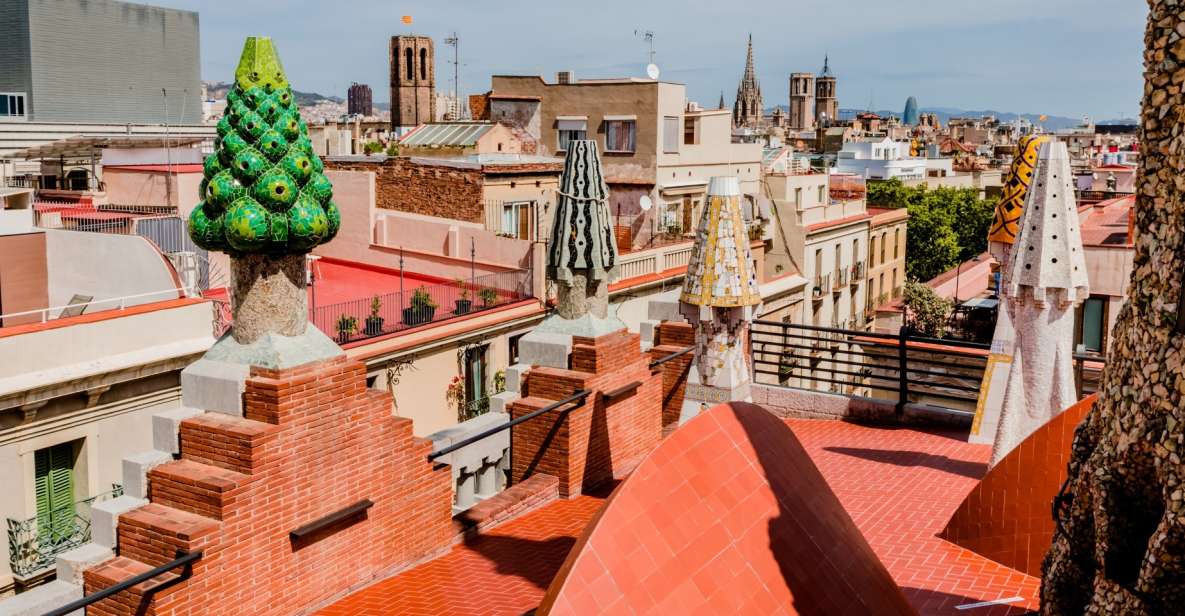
106,266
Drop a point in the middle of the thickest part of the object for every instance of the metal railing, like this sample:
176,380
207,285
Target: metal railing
386,313
184,559
576,397
902,367
114,303
473,408
34,543
820,285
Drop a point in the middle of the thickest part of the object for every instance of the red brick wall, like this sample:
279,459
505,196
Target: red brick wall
431,190
313,441
603,438
674,334
674,380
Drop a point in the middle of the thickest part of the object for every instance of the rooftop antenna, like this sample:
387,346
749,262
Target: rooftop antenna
455,42
648,36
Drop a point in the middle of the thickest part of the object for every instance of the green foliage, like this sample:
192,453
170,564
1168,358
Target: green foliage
927,313
393,149
460,282
376,304
347,324
263,190
421,299
372,147
946,225
488,296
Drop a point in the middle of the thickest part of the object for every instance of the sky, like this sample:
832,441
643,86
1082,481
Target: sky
1059,57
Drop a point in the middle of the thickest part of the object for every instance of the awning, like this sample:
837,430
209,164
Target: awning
620,118
981,302
90,145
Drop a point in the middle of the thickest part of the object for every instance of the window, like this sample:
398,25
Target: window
670,135
897,243
408,61
855,253
12,105
475,382
822,193
1092,324
689,132
512,345
53,482
872,250
619,135
423,64
798,198
516,220
884,238
570,130
838,259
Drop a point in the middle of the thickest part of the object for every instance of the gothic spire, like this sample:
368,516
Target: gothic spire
750,74
721,100
826,66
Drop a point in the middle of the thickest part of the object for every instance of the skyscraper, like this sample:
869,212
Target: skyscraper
358,101
748,109
910,116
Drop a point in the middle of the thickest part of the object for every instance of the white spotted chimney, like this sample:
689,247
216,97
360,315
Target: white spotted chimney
1048,263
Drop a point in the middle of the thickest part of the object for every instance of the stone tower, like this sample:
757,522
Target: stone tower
413,81
826,104
748,109
802,101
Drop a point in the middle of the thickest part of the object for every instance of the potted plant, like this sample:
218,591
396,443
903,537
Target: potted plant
346,326
454,395
464,304
374,323
422,308
488,296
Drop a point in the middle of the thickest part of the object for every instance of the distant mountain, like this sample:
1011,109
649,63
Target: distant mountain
303,99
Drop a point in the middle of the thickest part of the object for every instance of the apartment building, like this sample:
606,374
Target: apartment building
659,150
886,256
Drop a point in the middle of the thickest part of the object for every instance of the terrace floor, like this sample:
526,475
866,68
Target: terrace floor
899,485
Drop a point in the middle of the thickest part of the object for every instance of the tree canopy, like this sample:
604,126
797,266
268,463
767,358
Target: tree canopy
946,225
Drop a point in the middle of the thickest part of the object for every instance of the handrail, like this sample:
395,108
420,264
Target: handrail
677,354
185,291
577,396
183,559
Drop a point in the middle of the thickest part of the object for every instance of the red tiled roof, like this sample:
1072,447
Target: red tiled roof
900,487
1109,223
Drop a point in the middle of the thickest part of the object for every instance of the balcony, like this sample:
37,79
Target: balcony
654,260
34,543
820,285
841,280
858,272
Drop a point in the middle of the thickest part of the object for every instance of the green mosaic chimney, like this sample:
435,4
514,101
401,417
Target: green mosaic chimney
264,191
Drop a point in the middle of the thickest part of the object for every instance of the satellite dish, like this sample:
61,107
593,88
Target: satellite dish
652,70
645,203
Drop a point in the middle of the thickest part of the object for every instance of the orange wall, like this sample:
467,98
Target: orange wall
24,278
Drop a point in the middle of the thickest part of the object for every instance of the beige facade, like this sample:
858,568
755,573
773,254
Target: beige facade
886,256
654,143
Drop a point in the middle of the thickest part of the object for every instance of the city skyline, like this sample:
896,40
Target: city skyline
881,56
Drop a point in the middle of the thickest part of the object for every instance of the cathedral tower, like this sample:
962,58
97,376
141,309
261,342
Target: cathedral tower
748,110
413,81
802,101
826,104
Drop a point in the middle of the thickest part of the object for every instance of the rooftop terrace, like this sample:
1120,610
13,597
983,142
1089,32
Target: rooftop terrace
900,486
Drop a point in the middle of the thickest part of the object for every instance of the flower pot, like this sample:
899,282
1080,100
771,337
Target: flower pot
343,337
463,306
418,315
374,326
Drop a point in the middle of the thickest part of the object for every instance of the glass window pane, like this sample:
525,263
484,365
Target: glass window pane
1092,324
20,105
3,105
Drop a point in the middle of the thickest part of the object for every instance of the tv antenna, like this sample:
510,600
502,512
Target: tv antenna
648,37
455,42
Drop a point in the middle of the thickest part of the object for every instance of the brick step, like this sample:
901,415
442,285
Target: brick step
203,489
554,383
116,570
154,533
225,441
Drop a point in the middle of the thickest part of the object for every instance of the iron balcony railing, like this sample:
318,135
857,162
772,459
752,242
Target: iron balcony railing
841,278
474,408
418,305
902,366
858,272
34,543
820,285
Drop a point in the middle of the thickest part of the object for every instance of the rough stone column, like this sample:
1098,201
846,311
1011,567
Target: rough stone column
1119,547
270,296
582,295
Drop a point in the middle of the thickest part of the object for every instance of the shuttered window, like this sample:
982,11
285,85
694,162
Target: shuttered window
54,483
670,134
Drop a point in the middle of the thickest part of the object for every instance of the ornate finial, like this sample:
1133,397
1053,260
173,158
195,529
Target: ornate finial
826,66
1002,233
582,236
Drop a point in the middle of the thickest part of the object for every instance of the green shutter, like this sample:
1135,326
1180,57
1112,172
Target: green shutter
54,483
